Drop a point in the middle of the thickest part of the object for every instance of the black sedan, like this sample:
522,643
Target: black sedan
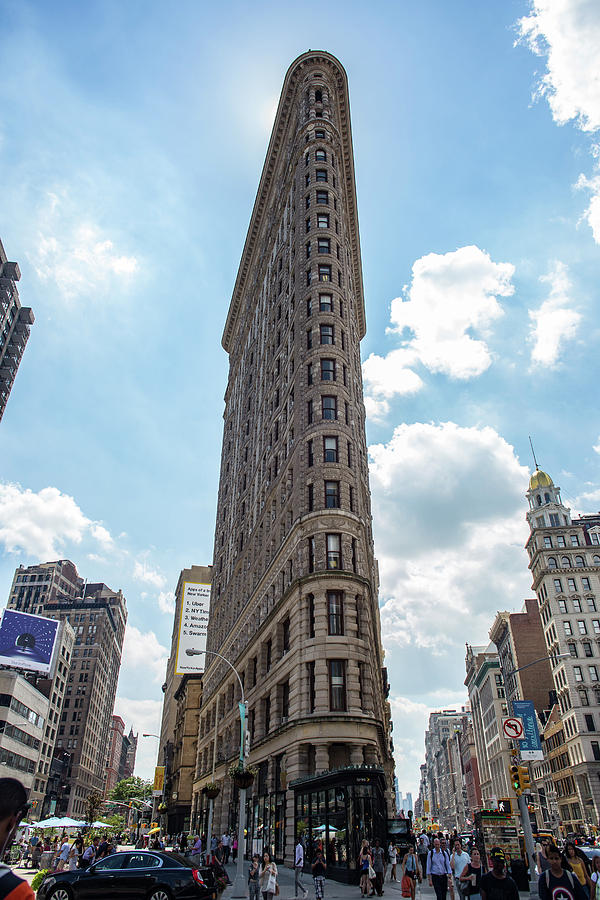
151,875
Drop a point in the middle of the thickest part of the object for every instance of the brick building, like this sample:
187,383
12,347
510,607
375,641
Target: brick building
15,322
294,588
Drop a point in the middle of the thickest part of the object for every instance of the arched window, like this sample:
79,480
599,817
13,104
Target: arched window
597,560
552,562
565,562
547,498
579,562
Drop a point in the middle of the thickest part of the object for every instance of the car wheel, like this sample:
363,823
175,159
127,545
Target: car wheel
159,894
60,893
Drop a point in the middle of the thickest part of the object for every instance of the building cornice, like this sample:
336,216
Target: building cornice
283,123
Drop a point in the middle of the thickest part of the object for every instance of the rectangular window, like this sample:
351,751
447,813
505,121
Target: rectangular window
354,557
285,699
330,449
268,649
349,455
307,179
323,245
321,174
573,650
337,685
574,540
311,686
324,273
310,452
547,541
285,635
596,625
332,495
585,583
596,749
267,713
587,649
323,220
334,556
322,197
309,375
562,606
593,673
311,554
328,370
572,586
329,407
557,586
320,156
325,303
589,722
582,626
307,202
311,616
554,520
335,611
309,411
568,629
560,541
578,673
308,249
309,339
351,489
326,334
308,277
307,228
310,488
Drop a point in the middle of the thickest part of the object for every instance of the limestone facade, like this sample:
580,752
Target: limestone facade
294,583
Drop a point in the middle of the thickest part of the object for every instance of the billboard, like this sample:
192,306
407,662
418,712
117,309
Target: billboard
530,746
193,625
28,642
159,781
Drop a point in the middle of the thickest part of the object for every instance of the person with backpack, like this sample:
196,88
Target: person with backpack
438,869
557,882
470,877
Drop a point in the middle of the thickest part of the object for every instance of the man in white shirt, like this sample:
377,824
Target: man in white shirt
298,869
63,854
226,846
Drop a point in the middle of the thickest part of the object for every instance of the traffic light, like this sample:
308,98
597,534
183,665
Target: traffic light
524,779
514,779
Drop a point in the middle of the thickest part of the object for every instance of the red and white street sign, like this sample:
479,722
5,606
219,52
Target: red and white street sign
512,728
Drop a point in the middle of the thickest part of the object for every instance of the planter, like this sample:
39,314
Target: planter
243,779
211,792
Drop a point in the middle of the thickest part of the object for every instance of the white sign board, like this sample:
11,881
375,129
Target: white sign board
193,625
512,728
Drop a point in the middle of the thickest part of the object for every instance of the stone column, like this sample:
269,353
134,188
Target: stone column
356,755
322,757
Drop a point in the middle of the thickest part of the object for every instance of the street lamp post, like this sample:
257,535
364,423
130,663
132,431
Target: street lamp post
523,809
239,885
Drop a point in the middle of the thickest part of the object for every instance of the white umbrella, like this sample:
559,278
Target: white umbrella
100,825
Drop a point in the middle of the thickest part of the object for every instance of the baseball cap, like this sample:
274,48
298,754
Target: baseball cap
497,853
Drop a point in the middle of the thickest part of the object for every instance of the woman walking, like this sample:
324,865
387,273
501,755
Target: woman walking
319,868
411,868
470,877
268,877
364,864
393,855
578,863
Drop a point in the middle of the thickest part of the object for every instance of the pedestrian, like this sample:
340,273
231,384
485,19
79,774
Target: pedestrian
89,854
365,862
319,868
103,849
225,841
579,864
422,847
75,854
438,869
393,856
253,875
268,877
183,841
13,806
63,854
558,882
299,869
411,868
470,877
459,859
595,876
378,855
220,853
497,884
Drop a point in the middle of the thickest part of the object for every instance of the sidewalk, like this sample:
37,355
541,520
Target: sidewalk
334,890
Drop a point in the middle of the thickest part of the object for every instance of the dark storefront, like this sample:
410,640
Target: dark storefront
336,811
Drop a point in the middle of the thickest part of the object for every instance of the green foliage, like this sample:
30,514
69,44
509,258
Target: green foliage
115,821
131,787
38,878
93,805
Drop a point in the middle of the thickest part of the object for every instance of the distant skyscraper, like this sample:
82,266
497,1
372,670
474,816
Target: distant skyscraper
129,766
294,592
409,803
14,326
98,616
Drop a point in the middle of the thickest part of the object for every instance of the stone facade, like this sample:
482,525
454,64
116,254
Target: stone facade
294,592
15,322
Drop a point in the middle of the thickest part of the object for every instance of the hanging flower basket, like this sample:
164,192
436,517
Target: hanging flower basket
211,790
242,776
162,807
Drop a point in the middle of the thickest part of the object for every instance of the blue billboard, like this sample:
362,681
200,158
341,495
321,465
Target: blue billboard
27,642
531,746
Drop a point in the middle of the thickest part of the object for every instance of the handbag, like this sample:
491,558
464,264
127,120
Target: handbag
371,872
405,886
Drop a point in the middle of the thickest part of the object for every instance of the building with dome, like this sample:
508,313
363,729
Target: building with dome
294,580
564,558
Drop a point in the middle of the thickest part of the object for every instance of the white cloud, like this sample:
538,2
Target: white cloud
74,253
145,717
592,213
451,297
597,446
41,524
567,34
142,572
449,520
166,602
142,652
555,321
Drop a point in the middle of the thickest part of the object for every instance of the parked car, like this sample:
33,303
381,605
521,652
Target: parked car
151,875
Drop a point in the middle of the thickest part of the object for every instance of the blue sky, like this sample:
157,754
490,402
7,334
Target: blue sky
131,144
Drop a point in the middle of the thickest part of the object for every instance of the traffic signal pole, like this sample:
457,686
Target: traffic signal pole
527,834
